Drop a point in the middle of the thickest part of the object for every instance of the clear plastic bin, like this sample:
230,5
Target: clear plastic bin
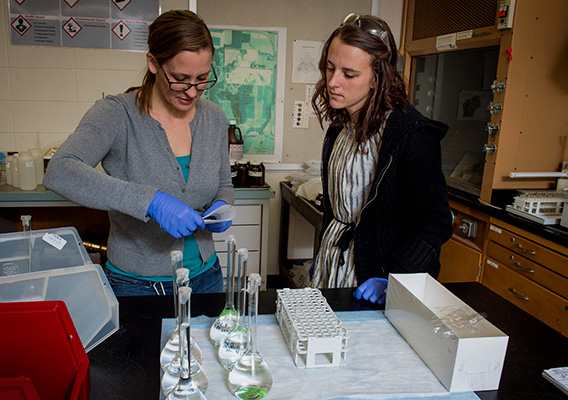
64,273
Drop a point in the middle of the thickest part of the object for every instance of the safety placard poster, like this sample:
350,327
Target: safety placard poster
102,24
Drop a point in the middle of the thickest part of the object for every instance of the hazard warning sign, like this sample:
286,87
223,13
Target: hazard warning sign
99,24
121,30
121,3
21,25
72,27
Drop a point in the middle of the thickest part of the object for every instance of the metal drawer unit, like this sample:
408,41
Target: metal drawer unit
529,271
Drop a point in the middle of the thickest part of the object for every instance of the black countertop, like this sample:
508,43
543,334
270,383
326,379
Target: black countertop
554,233
126,365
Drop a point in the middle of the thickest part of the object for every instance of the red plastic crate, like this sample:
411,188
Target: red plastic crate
39,341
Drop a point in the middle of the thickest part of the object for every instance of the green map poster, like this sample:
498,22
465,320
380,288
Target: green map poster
250,68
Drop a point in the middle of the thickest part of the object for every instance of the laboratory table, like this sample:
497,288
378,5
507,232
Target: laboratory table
126,365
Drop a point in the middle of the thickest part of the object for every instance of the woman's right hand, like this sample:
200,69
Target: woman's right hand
173,215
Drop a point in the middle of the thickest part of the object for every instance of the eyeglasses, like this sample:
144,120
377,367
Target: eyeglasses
356,19
184,87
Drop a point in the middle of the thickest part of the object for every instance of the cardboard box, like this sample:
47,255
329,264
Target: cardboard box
463,350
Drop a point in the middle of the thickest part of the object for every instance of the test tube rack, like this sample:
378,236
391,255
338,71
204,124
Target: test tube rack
315,336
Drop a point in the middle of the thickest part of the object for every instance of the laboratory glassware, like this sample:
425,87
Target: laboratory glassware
172,345
228,317
235,343
250,377
171,374
27,233
186,388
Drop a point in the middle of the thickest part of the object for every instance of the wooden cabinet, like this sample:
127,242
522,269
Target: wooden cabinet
529,271
532,58
461,257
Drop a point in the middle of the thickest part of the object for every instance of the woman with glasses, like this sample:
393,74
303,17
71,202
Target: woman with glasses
385,198
164,151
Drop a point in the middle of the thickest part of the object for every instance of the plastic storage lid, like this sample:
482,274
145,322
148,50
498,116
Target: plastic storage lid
61,270
38,340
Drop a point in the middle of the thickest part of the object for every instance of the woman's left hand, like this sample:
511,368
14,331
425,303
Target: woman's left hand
219,226
373,290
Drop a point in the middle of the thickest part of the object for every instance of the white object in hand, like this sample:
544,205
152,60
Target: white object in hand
221,214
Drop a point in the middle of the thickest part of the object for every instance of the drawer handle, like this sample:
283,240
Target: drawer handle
523,268
518,295
518,246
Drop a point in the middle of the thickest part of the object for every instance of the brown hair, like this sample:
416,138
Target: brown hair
372,35
171,33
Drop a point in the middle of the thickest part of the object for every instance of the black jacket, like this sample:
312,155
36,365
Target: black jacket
407,217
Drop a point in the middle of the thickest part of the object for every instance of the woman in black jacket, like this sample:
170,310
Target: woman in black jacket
385,197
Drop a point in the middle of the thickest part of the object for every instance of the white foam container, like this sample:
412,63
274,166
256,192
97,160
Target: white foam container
59,274
463,350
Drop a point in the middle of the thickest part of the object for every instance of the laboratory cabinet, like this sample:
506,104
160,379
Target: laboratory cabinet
529,271
461,256
499,83
250,228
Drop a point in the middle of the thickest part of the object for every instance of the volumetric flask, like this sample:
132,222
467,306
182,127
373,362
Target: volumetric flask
250,378
185,389
228,317
236,342
172,345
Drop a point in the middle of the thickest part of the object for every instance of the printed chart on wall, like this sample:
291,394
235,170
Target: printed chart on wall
104,24
250,65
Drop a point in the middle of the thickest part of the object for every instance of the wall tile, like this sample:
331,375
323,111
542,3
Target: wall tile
44,116
27,141
36,84
49,140
7,142
92,83
41,57
6,117
104,59
3,50
5,84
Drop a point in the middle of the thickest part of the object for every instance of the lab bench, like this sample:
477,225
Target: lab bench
126,365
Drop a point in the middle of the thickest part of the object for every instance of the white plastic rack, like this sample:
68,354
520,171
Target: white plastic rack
315,336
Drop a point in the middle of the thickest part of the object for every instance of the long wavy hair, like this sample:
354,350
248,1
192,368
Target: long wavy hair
372,35
171,33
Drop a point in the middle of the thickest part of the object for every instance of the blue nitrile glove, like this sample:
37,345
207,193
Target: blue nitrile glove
373,290
219,226
312,268
173,215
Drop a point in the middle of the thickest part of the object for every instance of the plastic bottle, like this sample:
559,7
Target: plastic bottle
9,161
27,171
236,143
38,157
14,164
2,169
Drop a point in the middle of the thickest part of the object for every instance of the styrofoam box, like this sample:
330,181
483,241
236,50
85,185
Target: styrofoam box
460,347
59,273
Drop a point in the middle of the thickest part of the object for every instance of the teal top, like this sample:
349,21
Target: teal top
191,257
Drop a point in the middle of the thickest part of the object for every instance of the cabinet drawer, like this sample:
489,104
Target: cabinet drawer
529,269
529,249
526,294
248,237
248,214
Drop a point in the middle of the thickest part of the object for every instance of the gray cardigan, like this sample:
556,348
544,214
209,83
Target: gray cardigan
138,160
